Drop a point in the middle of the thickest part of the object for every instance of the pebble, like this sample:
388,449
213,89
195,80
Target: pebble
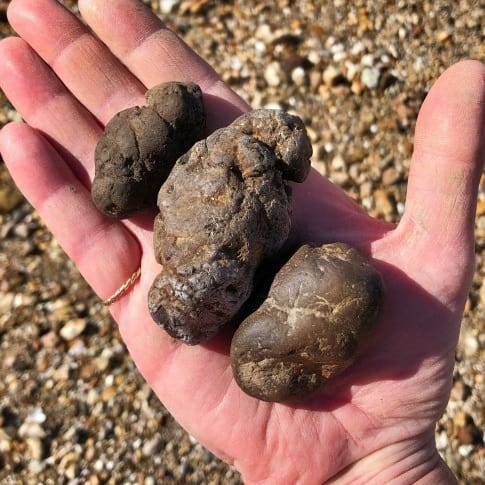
467,434
102,362
21,300
69,465
22,230
441,441
77,347
31,430
367,60
357,86
272,74
298,76
315,80
390,176
73,329
49,340
35,448
351,70
470,345
37,415
92,397
339,178
384,203
6,302
442,36
365,189
481,207
5,441
465,450
167,6
9,198
152,446
459,391
87,371
264,33
338,163
93,480
61,373
370,77
35,467
108,393
314,57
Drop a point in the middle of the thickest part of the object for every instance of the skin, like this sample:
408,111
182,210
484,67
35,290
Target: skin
376,422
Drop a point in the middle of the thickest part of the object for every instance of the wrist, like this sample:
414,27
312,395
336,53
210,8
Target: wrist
406,462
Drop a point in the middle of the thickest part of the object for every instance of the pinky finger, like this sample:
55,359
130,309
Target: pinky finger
105,252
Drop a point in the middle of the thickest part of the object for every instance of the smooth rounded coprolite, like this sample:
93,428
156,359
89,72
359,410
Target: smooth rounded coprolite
321,306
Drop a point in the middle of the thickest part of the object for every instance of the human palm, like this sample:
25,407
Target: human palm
376,419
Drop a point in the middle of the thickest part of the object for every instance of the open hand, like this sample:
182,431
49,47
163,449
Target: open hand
375,421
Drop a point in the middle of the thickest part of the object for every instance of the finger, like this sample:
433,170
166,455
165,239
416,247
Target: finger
155,54
437,226
47,105
84,64
104,251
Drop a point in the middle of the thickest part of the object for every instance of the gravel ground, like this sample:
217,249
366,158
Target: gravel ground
72,407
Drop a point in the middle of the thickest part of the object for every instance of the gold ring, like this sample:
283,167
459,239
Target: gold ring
123,288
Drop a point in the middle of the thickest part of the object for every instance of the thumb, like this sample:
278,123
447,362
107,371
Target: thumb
449,151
